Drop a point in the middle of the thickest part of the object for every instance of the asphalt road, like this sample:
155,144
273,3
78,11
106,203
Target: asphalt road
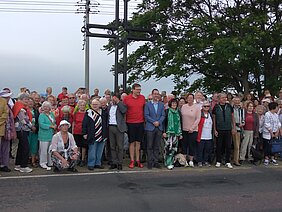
208,189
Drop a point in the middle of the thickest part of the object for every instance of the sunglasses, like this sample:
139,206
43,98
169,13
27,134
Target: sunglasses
71,97
206,106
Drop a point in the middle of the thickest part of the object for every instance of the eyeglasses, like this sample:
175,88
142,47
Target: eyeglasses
71,97
206,106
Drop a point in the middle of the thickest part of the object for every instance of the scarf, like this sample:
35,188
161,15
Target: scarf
17,108
97,119
173,124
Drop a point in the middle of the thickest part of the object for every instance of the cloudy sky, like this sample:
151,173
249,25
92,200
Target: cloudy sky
38,50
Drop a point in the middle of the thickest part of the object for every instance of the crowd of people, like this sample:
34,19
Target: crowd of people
79,129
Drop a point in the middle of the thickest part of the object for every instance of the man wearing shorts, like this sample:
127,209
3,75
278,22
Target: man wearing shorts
135,103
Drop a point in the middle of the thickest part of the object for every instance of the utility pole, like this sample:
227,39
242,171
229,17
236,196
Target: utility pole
87,51
116,47
125,25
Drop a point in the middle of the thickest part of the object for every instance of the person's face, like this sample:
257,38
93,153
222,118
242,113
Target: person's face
103,104
65,91
150,97
64,127
250,107
249,97
265,104
190,99
36,99
206,107
51,100
256,103
25,101
136,91
260,111
199,96
46,109
81,106
223,99
181,102
156,95
95,105
108,97
49,90
215,97
30,104
236,101
71,99
96,92
174,105
65,101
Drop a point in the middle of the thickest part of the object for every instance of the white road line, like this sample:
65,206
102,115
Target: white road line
72,174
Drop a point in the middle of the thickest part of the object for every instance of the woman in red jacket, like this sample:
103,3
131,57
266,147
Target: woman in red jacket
204,139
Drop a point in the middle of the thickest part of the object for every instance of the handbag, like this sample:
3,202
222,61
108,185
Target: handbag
276,145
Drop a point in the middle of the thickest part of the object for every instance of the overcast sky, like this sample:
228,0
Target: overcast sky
39,50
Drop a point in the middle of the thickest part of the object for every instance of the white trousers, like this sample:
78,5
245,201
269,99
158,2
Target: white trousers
44,154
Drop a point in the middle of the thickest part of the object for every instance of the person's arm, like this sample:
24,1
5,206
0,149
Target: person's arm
197,120
122,107
3,113
147,116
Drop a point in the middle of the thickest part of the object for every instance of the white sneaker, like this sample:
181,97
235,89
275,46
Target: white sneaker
217,165
274,162
191,164
25,170
228,165
17,168
44,166
186,164
170,167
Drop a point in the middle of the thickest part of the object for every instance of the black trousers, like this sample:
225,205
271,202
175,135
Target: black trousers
223,143
153,143
23,149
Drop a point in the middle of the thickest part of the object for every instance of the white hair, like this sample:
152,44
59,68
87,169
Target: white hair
46,104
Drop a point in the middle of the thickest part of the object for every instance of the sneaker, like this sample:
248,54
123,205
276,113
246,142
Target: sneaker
170,167
228,165
266,162
207,164
274,162
191,164
17,168
217,165
186,164
200,164
5,169
25,170
44,166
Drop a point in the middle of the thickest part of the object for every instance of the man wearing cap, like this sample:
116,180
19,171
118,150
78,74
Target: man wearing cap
9,129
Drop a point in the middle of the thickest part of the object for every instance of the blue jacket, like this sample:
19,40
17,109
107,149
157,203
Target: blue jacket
151,116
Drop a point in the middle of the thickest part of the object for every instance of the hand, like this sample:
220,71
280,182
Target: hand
115,100
215,133
190,131
65,163
234,131
74,156
33,129
164,135
85,137
180,137
156,124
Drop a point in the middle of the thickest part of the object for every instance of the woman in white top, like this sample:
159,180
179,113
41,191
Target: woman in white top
63,149
271,129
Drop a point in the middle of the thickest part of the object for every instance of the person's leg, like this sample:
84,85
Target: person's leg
236,144
250,143
184,143
265,148
113,143
99,152
244,145
5,148
24,150
219,147
19,150
137,150
208,147
156,145
131,150
139,130
119,146
201,148
43,149
228,139
150,156
192,145
91,157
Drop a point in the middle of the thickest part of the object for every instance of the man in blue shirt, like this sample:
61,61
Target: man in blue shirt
154,116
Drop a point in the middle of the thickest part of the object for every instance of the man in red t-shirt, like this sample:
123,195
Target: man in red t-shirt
135,103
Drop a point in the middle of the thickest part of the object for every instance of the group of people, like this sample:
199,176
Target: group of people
78,129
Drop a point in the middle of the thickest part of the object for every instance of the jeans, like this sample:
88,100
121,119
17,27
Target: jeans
95,152
204,150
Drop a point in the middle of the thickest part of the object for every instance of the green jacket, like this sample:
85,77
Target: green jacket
45,133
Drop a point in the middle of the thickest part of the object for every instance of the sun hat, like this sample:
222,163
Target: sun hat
64,122
5,93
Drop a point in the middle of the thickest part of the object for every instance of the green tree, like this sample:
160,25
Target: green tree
230,44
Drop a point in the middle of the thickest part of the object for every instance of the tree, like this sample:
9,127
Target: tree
229,43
